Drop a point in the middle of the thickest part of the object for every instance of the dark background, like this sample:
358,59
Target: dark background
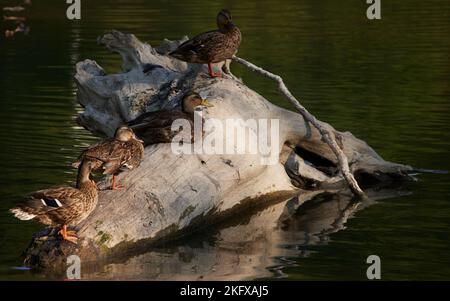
386,81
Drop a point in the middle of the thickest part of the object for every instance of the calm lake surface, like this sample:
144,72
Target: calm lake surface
386,81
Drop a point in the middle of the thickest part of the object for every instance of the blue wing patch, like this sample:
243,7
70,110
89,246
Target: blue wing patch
55,203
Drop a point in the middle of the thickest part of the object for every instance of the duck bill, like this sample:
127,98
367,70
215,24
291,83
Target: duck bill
206,103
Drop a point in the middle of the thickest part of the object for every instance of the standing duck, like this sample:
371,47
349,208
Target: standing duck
62,206
212,46
155,127
114,155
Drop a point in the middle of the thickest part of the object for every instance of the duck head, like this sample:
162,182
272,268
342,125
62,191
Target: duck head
124,134
224,20
193,101
84,173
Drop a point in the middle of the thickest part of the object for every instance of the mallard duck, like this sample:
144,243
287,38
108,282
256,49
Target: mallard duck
211,46
62,206
155,127
114,155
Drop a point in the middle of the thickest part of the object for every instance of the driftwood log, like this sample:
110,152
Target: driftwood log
170,194
254,244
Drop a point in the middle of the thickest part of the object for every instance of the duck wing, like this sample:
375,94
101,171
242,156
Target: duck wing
154,119
156,135
156,127
43,201
99,151
201,48
129,154
136,154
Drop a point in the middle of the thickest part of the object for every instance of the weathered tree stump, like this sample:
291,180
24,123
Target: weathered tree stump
172,194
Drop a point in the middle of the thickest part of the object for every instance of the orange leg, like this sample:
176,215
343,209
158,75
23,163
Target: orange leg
212,73
115,185
68,235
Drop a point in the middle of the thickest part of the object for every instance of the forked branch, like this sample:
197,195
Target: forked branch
327,136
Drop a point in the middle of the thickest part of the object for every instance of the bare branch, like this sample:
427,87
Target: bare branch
327,136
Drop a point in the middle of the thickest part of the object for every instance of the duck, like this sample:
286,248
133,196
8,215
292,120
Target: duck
62,206
212,46
114,155
155,127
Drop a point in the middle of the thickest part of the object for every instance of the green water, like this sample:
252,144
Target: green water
386,81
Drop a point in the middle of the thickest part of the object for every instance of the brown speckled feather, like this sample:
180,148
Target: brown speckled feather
209,47
129,156
65,205
155,127
111,155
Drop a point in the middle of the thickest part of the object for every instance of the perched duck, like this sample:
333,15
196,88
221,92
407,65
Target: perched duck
114,155
155,127
62,206
211,46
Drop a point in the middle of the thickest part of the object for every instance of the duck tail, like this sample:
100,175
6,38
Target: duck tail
21,214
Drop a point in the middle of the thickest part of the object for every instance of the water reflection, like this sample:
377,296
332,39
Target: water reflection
257,245
384,82
15,18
